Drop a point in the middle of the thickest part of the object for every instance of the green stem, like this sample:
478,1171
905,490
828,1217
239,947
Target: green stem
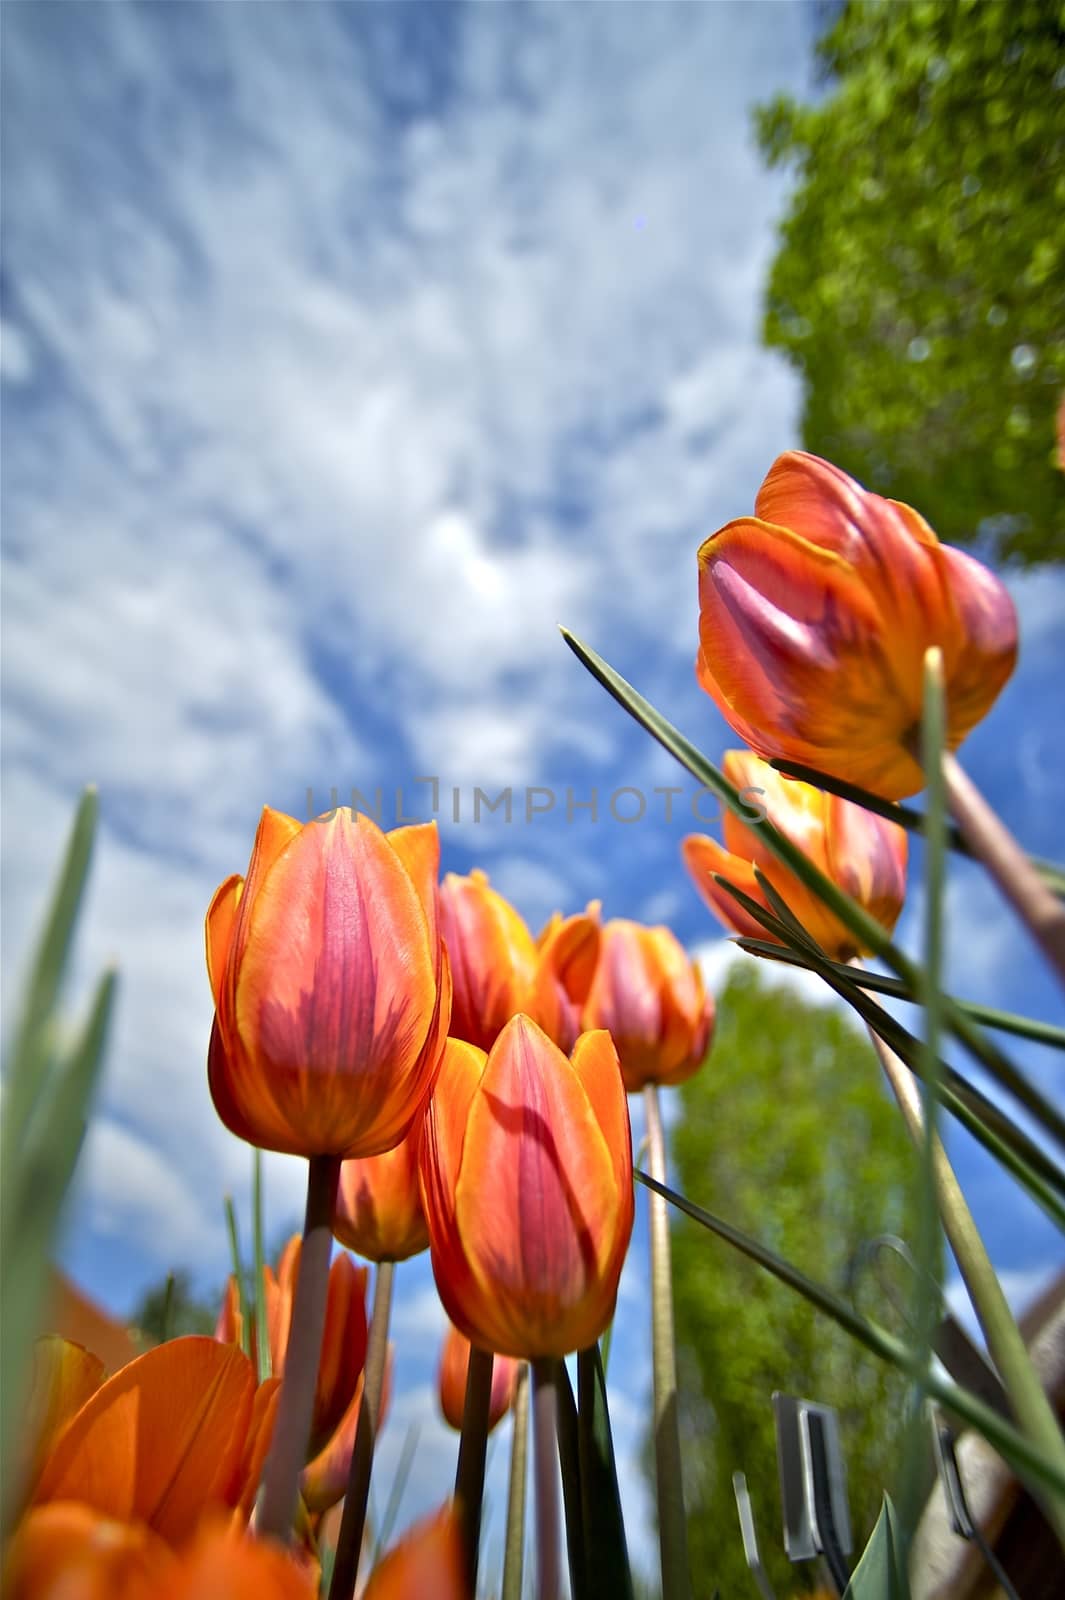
514,1549
998,850
545,1465
672,1524
353,1521
238,1275
261,1341
1032,1409
292,1429
473,1445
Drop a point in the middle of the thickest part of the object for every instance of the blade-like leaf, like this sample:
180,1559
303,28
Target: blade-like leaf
866,930
881,1573
570,1463
1027,1459
605,1550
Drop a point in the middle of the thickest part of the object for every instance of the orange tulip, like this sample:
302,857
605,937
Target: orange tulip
331,988
493,958
815,615
499,969
224,1563
324,1480
63,1377
426,1564
526,1172
568,950
379,1205
160,1442
343,1341
69,1551
451,1381
652,1000
862,853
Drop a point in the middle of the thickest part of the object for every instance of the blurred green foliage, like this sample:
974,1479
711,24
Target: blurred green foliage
788,1134
920,283
172,1308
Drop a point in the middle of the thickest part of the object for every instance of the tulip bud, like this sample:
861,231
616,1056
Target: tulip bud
815,616
427,1564
652,1000
567,954
379,1205
343,1353
526,1173
451,1381
493,958
331,991
864,854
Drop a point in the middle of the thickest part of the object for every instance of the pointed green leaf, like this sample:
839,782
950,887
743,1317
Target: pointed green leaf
881,1573
605,1549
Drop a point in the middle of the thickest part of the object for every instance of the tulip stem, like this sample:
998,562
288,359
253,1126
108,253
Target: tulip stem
473,1446
672,1524
545,1452
295,1403
514,1550
994,845
1031,1408
353,1521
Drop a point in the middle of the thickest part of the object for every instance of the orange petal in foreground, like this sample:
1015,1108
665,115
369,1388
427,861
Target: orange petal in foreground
427,1564
161,1441
651,999
865,855
224,1563
815,616
527,1185
68,1551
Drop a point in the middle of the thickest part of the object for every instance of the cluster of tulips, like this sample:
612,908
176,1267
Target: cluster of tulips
458,1085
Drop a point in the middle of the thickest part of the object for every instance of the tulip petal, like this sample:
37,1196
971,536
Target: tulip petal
979,661
63,1378
379,1208
67,1551
257,1444
418,847
493,958
536,1199
427,1564
225,1563
161,1440
218,929
704,858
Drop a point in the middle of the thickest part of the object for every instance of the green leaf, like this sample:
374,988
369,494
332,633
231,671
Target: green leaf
881,1573
570,1463
605,1550
867,931
1030,1462
262,1331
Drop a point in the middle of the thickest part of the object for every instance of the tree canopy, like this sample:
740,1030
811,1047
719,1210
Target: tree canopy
788,1133
919,286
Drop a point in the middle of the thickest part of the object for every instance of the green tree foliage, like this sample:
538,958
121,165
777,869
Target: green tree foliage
920,283
787,1133
169,1309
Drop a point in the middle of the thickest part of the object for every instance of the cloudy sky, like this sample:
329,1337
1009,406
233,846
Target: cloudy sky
346,350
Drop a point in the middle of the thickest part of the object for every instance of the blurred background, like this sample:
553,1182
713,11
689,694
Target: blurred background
346,350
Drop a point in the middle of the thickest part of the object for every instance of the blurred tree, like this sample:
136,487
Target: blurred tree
171,1308
920,283
789,1135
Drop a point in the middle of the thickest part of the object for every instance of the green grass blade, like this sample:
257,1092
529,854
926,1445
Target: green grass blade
1024,1159
238,1275
1047,1033
30,1046
1030,1462
605,1549
36,1178
867,931
262,1330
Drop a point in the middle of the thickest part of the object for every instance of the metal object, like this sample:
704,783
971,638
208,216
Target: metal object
813,1484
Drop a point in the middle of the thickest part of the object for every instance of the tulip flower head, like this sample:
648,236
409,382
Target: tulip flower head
499,969
865,855
379,1204
427,1564
652,999
526,1172
331,987
451,1381
815,616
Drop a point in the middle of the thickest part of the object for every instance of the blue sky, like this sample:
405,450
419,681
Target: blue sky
345,351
